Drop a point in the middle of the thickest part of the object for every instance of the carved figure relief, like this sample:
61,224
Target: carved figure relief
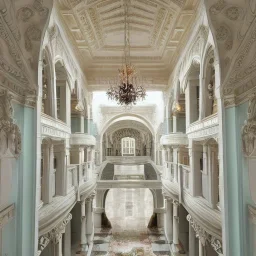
10,136
249,129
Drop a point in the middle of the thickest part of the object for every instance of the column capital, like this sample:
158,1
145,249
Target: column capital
90,197
175,202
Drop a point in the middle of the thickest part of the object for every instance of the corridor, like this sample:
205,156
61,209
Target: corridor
129,212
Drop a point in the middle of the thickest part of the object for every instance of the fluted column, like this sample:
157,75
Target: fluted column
168,219
83,245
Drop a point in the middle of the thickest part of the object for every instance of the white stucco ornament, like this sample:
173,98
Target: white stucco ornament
248,137
10,136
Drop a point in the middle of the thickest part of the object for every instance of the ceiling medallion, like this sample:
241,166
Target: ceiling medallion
128,88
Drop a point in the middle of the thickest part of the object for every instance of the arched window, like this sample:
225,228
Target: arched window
128,146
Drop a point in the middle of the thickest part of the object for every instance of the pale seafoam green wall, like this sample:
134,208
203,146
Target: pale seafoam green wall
18,235
237,182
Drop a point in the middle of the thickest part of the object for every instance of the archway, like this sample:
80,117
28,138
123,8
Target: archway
129,209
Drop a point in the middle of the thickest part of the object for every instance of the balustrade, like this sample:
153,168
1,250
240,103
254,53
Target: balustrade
169,171
185,169
78,174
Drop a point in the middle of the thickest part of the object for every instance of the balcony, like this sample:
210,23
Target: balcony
54,128
80,179
177,184
128,159
174,139
207,127
82,139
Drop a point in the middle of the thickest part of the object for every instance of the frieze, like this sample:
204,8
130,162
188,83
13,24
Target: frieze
53,127
207,127
54,235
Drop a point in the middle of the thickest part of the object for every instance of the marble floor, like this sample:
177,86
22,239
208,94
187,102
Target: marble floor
129,211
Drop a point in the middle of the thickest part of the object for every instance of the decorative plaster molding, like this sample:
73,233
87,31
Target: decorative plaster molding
252,213
249,129
6,215
10,136
173,139
51,127
208,127
204,236
82,139
54,235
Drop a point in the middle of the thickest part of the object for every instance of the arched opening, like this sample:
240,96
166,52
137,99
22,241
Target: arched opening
128,146
210,101
179,111
129,210
46,86
62,92
210,173
192,93
122,139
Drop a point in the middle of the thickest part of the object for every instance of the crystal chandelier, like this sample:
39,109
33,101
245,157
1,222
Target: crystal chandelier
127,89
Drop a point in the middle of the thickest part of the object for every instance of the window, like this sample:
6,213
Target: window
128,146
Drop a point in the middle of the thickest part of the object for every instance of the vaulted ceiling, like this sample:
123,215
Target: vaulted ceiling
158,29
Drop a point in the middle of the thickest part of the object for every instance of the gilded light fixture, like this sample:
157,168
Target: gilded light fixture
127,89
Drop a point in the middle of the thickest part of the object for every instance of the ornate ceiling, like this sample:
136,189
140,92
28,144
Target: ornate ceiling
158,30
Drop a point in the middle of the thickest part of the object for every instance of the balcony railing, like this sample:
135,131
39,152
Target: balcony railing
78,174
185,173
170,171
177,173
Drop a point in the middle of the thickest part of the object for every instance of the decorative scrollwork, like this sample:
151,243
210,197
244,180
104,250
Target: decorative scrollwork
204,236
249,129
10,136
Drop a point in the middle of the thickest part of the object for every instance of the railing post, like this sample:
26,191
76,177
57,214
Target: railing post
180,182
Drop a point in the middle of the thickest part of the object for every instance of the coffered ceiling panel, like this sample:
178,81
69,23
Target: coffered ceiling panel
156,29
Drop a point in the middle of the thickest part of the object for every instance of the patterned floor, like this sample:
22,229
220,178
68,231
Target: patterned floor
129,211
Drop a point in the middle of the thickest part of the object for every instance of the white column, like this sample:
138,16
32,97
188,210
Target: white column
176,162
59,246
89,220
83,245
192,241
175,222
168,219
47,171
174,120
201,248
163,156
82,124
67,240
195,153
